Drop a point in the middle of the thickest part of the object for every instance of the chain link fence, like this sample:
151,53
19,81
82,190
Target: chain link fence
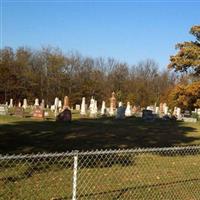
137,174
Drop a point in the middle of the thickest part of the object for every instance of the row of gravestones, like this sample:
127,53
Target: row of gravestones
38,112
120,112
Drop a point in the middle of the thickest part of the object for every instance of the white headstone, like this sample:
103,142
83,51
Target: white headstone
42,105
77,107
25,104
93,108
166,108
19,104
11,103
59,104
178,113
3,110
103,108
36,102
52,108
198,112
128,111
120,104
83,107
46,113
157,110
56,102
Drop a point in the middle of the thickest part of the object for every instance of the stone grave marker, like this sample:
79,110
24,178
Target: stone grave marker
66,103
112,105
11,103
128,111
3,110
42,104
25,104
65,116
19,111
103,108
120,111
36,102
147,115
77,107
83,107
38,113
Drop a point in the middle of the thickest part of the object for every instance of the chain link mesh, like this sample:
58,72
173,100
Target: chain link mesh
139,174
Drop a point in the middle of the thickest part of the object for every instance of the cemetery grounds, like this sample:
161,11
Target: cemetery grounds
143,175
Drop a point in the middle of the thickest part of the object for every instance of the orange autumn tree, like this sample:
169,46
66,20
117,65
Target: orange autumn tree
187,60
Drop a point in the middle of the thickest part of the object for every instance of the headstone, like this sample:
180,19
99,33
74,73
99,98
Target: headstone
65,116
112,105
36,102
103,108
46,114
19,111
59,104
198,112
66,102
134,110
120,104
157,110
3,110
147,115
19,104
25,104
42,104
128,111
83,107
166,108
187,113
11,103
38,113
178,114
77,107
120,112
161,108
91,106
52,108
93,109
56,102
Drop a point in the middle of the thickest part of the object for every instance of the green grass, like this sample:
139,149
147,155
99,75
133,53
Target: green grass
27,135
144,176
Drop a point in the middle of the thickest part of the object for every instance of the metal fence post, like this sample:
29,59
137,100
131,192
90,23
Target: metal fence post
75,170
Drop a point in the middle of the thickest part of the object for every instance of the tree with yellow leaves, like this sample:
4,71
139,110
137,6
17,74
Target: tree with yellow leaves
187,96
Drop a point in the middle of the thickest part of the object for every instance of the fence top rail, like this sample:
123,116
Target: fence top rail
97,152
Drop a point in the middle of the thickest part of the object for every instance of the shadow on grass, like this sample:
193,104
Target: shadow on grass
87,134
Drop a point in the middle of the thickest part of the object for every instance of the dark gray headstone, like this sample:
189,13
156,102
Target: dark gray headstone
65,116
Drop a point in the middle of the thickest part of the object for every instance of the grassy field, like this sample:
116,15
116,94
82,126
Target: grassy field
137,176
26,135
125,176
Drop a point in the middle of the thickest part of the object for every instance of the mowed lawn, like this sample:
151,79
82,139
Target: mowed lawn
172,175
27,135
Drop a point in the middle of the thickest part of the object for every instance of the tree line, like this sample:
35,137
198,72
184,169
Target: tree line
48,73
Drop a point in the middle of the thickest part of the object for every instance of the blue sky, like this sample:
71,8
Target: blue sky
126,30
